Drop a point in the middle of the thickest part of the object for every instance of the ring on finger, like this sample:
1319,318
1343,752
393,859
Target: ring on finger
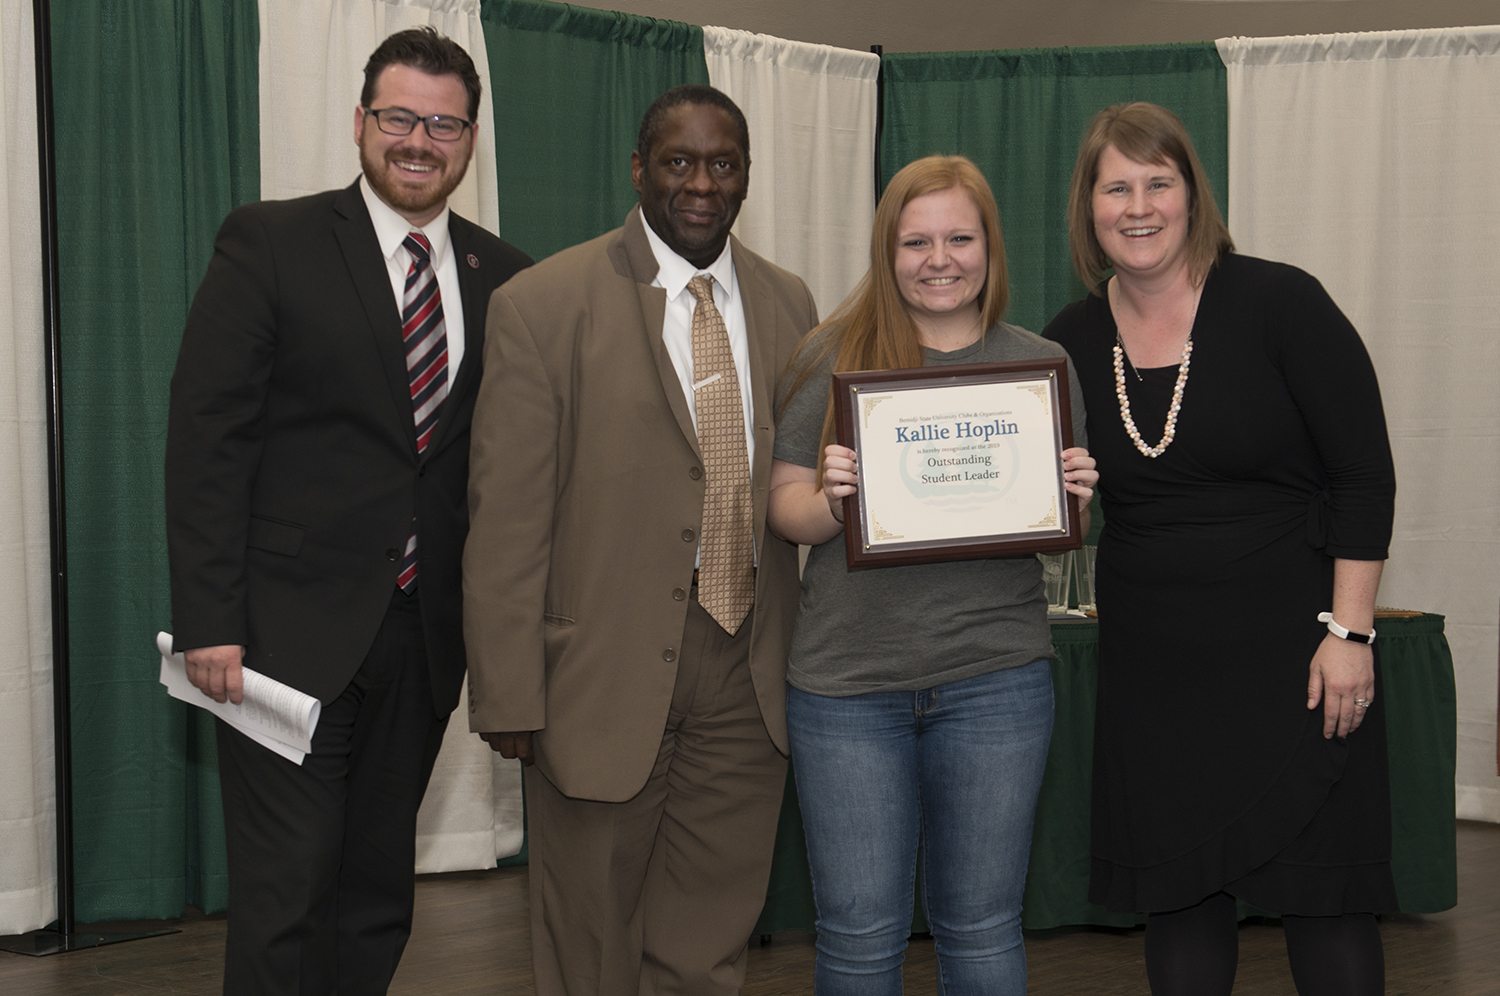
1362,703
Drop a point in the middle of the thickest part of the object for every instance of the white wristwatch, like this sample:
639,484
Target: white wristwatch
1342,633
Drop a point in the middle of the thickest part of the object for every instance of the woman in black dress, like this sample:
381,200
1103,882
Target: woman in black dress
1248,492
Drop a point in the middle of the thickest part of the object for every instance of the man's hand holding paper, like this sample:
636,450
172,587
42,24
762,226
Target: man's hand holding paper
217,671
274,715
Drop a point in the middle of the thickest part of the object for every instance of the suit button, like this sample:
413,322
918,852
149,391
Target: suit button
393,555
695,472
679,594
669,655
688,535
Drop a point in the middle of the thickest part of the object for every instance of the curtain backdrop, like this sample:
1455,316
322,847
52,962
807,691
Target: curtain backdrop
571,84
156,141
27,864
1369,160
811,111
312,61
1020,115
1377,140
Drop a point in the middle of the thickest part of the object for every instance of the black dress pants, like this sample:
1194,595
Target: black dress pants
321,855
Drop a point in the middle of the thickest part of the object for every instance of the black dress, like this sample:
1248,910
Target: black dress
1210,773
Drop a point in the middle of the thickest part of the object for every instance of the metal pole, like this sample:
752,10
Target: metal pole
879,50
61,699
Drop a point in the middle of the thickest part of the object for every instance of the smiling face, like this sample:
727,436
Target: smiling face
942,257
1141,214
692,186
414,173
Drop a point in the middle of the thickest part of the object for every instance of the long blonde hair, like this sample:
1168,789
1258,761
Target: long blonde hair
873,328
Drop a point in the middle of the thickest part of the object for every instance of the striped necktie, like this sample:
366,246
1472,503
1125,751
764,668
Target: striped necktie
426,337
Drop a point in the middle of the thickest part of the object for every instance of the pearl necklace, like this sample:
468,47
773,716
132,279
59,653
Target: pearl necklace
1130,429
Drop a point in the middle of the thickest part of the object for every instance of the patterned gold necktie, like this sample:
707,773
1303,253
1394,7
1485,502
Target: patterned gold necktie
726,571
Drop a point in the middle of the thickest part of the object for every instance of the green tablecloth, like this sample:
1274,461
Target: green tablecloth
1416,671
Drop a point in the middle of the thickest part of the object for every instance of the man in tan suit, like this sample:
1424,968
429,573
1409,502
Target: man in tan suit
627,614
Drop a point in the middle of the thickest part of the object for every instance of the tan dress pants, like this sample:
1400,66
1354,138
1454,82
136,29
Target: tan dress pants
659,894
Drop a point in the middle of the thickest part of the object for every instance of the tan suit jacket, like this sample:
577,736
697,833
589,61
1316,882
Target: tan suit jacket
586,497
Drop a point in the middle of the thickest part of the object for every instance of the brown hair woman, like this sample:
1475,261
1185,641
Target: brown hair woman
1239,747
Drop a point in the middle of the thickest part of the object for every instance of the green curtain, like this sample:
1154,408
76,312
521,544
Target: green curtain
571,84
1019,115
1057,884
1416,676
157,138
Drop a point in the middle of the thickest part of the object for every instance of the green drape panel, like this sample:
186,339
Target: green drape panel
157,139
1019,115
789,895
571,84
1421,710
1057,884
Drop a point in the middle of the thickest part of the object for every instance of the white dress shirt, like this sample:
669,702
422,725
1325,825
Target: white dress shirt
672,275
391,230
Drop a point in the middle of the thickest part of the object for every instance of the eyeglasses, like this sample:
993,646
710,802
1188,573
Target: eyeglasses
400,121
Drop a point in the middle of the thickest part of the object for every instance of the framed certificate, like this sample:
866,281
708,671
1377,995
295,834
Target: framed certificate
957,462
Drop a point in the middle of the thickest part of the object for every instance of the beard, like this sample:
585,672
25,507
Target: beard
393,187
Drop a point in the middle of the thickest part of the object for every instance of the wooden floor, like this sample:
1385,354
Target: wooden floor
471,938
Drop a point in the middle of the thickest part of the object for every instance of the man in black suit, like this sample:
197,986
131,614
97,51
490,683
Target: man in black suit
317,461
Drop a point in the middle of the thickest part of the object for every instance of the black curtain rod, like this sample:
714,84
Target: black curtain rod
61,693
879,51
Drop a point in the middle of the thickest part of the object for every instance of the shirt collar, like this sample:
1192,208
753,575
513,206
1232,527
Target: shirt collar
673,272
391,229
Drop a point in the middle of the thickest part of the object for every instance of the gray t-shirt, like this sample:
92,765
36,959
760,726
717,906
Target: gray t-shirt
920,625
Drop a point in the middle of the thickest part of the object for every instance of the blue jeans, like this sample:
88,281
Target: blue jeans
959,767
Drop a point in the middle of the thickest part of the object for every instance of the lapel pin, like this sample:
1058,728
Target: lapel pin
473,261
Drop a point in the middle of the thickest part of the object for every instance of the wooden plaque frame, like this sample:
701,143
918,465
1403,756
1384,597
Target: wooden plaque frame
851,391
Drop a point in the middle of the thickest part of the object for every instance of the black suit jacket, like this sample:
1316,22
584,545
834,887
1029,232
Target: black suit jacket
292,469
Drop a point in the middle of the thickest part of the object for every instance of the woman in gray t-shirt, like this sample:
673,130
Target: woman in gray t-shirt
920,698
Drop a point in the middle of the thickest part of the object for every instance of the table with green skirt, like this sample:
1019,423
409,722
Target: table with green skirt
1416,671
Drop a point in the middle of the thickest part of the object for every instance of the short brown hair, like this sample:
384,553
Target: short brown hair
1145,133
422,48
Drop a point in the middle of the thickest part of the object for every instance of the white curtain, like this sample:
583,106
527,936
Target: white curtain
811,111
472,812
27,799
1370,161
312,59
